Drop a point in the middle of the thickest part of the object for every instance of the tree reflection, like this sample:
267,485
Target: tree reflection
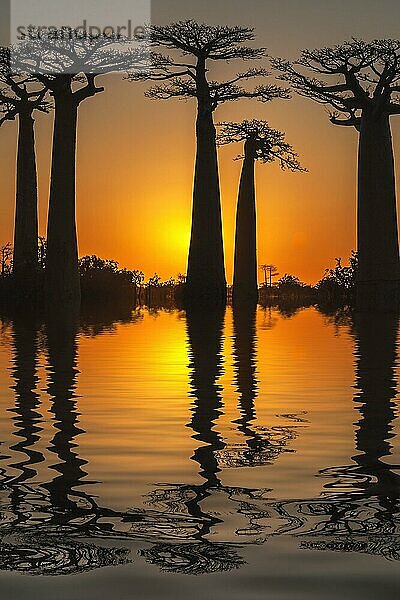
357,511
363,515
61,333
263,444
45,515
27,400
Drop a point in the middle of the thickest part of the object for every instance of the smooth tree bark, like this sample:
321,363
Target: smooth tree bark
62,274
62,269
25,260
261,143
206,268
378,246
245,279
21,96
195,45
364,94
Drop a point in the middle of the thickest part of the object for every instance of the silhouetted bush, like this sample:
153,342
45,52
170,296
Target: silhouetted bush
103,281
337,287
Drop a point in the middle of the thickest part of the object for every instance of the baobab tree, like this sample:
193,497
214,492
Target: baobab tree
69,66
270,271
195,46
21,96
267,145
360,81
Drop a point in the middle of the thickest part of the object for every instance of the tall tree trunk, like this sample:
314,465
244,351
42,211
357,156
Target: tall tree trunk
245,288
378,284
62,276
206,282
25,260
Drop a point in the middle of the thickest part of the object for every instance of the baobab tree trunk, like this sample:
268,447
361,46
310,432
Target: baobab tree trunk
25,259
378,280
62,276
245,288
206,281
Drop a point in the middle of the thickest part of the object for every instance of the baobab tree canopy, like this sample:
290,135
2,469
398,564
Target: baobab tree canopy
208,41
269,144
366,74
205,42
19,91
79,59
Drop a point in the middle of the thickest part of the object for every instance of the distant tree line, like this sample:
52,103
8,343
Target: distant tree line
103,282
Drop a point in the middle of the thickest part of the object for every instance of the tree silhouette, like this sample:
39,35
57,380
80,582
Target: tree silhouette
338,285
69,67
264,269
360,81
273,272
6,253
103,280
289,282
20,96
266,145
195,46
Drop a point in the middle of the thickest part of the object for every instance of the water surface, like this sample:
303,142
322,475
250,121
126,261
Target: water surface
238,454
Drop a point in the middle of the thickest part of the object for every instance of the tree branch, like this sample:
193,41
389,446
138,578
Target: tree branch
352,121
370,70
9,116
90,89
394,108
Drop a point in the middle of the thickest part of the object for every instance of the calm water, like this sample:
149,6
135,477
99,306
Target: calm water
239,455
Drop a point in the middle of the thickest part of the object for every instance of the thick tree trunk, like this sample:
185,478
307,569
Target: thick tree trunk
378,283
245,288
62,276
25,260
206,281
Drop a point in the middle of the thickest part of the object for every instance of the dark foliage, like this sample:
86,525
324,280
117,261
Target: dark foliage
103,281
338,285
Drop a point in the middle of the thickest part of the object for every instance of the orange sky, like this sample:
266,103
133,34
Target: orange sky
136,156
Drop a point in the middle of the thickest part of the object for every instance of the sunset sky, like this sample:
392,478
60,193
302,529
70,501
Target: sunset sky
136,156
